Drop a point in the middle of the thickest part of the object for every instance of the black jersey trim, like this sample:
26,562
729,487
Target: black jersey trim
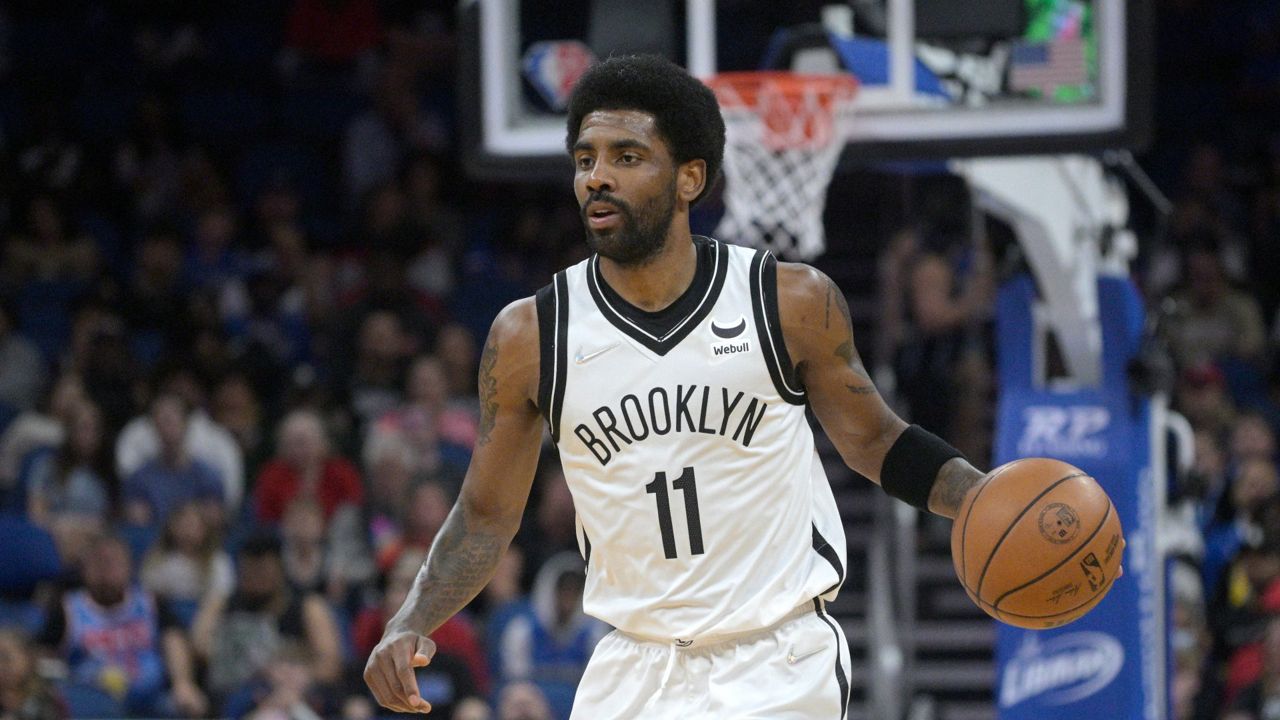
841,678
828,553
552,303
661,345
764,305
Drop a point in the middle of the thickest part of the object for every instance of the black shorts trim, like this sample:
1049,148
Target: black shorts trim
842,679
828,553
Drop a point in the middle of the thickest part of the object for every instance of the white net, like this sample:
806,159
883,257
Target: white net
783,139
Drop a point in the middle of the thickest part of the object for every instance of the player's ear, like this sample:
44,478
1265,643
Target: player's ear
691,177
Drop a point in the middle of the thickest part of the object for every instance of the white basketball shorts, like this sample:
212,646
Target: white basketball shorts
795,670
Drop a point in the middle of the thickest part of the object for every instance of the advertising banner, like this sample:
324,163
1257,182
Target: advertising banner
1110,663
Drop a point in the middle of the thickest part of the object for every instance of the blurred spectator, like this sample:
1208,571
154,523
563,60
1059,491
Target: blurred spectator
67,491
438,431
1252,438
547,639
458,670
22,367
1259,700
523,701
187,563
947,288
117,637
101,356
1214,320
213,259
388,463
325,558
1202,397
1255,484
1189,638
146,163
205,440
472,709
239,635
202,184
426,509
377,141
433,266
1205,182
269,315
24,695
375,384
47,249
154,302
43,428
304,467
456,348
173,478
553,527
235,406
287,689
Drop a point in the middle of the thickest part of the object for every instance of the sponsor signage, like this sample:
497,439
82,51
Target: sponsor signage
1110,663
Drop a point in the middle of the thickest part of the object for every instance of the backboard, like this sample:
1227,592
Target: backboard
938,78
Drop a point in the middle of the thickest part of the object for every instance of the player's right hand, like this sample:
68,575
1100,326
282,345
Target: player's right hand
389,672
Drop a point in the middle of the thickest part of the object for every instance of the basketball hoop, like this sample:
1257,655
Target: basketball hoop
784,134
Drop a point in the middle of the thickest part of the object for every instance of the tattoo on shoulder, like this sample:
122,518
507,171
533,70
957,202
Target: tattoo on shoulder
842,305
488,390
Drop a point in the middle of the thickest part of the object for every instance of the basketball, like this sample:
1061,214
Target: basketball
1038,545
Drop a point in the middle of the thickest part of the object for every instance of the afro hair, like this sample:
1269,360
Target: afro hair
685,110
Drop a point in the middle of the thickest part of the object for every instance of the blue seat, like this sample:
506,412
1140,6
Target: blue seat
29,555
26,616
86,701
139,539
44,313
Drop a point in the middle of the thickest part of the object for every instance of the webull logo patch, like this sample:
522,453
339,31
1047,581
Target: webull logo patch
1065,669
723,349
1073,431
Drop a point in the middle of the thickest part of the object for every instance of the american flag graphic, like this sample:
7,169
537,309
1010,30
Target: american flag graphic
1048,66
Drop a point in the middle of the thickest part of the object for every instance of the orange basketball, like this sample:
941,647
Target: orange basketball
1038,545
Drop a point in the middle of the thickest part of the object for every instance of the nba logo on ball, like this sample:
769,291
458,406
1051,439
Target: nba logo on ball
553,67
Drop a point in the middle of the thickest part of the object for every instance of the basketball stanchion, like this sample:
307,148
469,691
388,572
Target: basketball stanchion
784,135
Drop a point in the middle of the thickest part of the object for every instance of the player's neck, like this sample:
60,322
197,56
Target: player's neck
659,282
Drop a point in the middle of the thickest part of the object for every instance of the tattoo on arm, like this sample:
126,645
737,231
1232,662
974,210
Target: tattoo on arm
846,351
955,478
462,560
488,390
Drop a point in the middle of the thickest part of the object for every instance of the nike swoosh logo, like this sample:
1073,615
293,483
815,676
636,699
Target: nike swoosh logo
792,658
583,359
732,332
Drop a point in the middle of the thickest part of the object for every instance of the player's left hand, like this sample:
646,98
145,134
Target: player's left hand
389,672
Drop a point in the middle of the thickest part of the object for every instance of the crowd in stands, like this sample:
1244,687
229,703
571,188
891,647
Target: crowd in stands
242,286
239,310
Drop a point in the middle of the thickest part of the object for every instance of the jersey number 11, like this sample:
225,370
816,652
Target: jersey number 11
688,485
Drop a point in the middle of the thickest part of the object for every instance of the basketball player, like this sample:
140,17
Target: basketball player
674,373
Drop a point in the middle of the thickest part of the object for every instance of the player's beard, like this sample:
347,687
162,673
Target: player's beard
640,235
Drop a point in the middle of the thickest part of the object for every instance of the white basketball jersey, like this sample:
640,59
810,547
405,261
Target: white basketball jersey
703,508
